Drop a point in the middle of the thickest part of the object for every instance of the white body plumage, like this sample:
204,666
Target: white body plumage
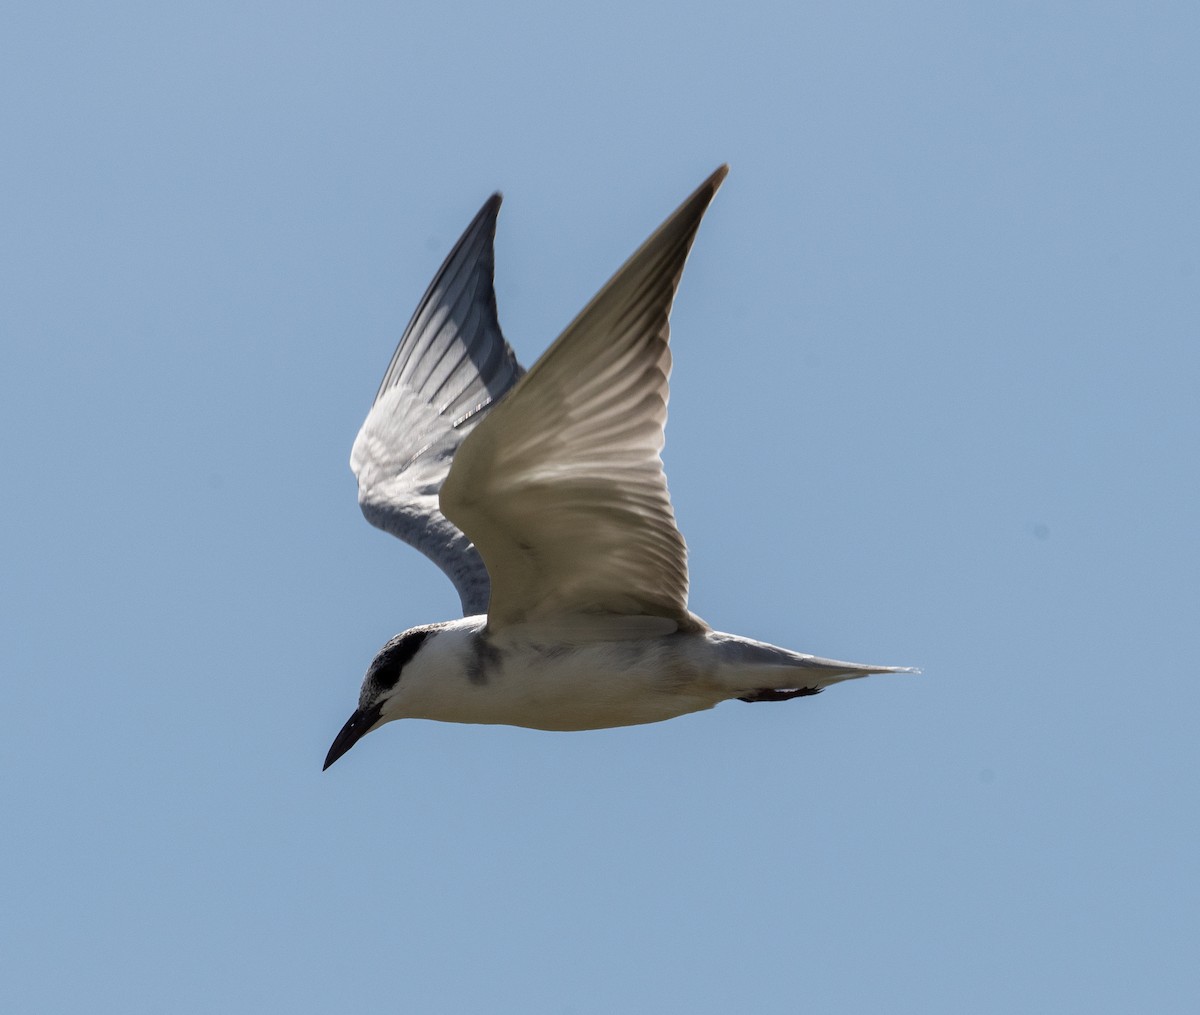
601,674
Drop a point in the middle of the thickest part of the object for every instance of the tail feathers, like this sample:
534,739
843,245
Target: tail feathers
809,675
833,671
769,673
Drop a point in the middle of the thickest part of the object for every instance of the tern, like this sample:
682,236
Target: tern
542,496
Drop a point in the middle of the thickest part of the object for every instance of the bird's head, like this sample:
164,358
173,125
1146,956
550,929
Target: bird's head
380,687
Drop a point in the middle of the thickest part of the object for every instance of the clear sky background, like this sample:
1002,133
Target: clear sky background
934,404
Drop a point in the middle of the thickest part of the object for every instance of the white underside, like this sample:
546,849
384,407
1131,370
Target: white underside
594,678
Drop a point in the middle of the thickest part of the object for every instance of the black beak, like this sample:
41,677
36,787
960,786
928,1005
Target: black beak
354,730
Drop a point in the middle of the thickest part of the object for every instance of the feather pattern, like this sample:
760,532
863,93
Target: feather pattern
562,488
450,368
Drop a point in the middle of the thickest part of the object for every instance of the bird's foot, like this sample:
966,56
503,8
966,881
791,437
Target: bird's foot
774,694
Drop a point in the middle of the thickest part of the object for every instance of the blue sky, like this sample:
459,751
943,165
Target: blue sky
933,404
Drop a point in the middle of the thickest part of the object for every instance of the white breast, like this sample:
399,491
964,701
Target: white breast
528,677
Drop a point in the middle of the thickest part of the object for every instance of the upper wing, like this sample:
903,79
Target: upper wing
450,368
562,488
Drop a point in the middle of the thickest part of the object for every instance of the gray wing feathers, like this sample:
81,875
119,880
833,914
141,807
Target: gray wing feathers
453,354
449,369
563,489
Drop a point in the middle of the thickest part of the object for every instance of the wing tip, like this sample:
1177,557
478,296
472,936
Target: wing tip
487,213
695,206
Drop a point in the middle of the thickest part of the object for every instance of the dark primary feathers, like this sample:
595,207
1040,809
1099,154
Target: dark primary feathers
453,354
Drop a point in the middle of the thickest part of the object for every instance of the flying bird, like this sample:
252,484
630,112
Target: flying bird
542,496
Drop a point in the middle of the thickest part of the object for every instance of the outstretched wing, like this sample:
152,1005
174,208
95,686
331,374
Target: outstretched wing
450,368
562,488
